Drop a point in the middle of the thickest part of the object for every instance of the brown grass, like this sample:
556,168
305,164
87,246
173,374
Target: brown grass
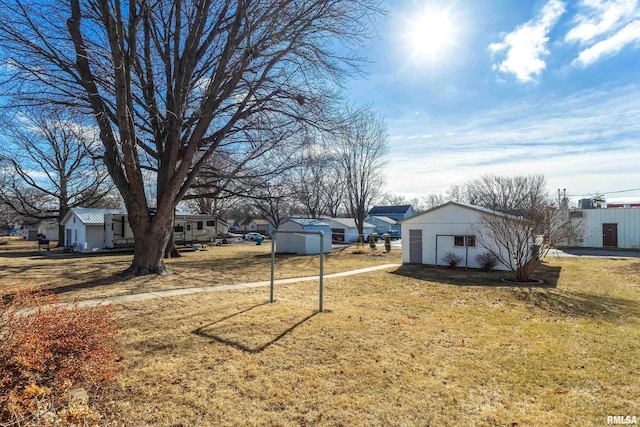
94,276
415,346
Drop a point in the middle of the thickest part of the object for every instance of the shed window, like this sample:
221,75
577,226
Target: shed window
211,223
199,225
460,240
178,229
188,227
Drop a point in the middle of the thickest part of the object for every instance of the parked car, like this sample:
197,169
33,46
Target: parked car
253,236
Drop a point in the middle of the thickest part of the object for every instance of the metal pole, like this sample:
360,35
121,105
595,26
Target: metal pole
321,267
273,261
273,264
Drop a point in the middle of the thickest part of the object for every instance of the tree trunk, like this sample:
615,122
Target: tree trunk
152,236
61,236
172,250
148,255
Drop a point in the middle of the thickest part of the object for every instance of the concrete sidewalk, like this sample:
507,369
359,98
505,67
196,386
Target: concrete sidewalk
188,291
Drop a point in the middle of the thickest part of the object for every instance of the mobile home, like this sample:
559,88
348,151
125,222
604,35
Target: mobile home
188,229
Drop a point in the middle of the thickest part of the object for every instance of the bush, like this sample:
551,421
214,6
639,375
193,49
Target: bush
372,242
46,347
387,243
487,261
451,259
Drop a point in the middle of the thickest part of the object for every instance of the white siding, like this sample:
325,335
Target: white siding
301,244
87,238
628,220
441,225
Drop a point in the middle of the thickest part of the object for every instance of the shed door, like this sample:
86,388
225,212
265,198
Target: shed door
415,246
610,235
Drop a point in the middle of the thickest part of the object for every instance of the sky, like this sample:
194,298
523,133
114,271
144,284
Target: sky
508,87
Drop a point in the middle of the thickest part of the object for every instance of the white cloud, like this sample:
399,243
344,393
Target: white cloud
600,17
603,28
526,46
584,143
611,46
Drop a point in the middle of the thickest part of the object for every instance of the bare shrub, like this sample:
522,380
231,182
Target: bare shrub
487,261
452,260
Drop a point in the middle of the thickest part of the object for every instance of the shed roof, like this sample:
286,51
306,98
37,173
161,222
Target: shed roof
464,205
91,216
383,219
305,222
346,222
260,221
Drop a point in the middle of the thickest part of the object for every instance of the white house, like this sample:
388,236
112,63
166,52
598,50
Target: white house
452,227
84,228
49,229
303,244
344,230
610,227
29,229
260,225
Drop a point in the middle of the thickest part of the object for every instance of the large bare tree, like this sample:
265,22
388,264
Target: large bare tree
361,150
522,231
169,82
50,166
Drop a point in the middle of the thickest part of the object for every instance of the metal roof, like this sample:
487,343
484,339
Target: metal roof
94,216
305,222
383,219
346,222
466,206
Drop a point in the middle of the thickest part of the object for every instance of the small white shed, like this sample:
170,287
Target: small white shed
302,244
84,228
345,230
452,227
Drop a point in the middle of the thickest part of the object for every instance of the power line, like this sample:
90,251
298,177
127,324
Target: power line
606,192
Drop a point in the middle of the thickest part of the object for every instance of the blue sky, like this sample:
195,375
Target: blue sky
506,87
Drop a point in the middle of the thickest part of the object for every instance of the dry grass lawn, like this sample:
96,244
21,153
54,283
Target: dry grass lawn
410,346
84,276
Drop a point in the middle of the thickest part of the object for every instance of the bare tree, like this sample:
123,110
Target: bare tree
335,188
430,201
523,195
457,193
520,232
274,200
362,148
51,168
569,226
318,182
170,82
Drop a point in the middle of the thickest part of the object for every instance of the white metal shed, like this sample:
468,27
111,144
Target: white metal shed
452,227
302,244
